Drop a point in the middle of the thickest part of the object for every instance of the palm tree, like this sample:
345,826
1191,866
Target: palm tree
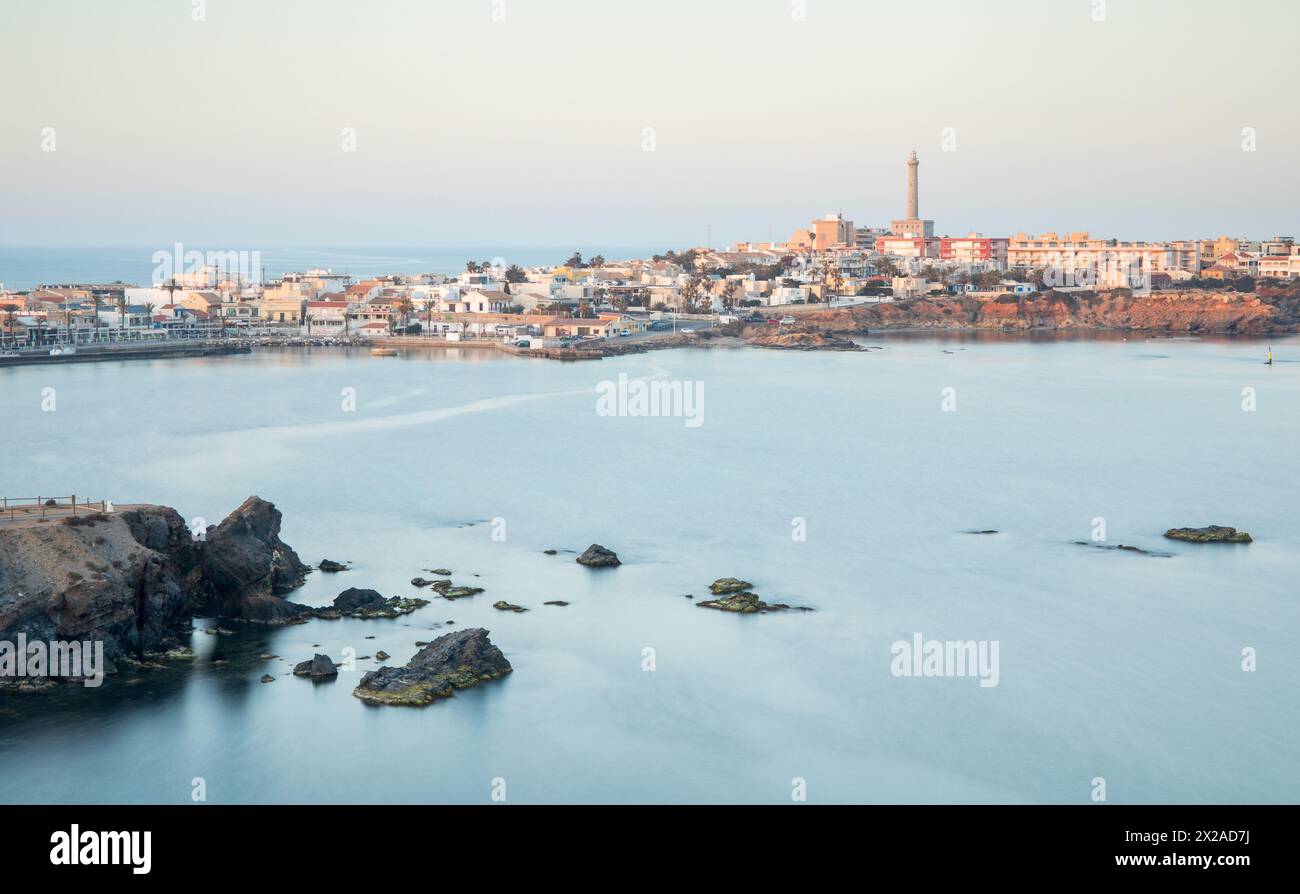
94,307
121,315
10,310
404,306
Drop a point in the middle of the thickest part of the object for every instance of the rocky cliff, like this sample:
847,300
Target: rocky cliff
135,579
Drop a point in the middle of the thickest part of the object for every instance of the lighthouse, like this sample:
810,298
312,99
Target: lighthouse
913,192
913,226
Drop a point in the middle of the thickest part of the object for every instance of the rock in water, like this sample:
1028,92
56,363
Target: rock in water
503,606
247,567
319,668
1211,534
381,655
367,605
352,599
743,603
724,585
329,565
456,660
597,556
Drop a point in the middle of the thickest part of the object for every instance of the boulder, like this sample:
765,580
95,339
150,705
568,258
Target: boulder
1210,534
503,606
457,660
597,556
724,585
332,567
320,667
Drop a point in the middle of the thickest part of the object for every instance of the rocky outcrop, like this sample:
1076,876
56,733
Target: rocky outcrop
447,590
247,568
135,579
457,660
597,556
736,596
803,341
502,606
1210,534
320,667
1170,310
367,604
331,567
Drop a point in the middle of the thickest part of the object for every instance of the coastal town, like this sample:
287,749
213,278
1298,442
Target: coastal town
830,263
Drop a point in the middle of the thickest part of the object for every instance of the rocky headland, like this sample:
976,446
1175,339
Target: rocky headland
134,579
1182,311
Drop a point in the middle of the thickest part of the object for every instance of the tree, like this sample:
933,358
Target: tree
597,261
471,266
575,260
403,306
515,273
94,307
121,314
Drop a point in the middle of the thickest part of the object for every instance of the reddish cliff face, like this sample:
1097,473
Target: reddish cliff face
1168,311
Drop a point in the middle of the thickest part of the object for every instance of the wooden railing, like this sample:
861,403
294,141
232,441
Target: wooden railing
40,507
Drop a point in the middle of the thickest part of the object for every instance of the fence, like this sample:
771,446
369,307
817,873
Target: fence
40,507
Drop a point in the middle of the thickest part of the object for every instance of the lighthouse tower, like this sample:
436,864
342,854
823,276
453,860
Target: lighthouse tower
912,226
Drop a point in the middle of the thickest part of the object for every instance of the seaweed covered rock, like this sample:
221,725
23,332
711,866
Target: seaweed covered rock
367,604
1210,534
457,660
725,585
744,603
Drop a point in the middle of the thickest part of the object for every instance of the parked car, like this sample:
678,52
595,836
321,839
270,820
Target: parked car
788,321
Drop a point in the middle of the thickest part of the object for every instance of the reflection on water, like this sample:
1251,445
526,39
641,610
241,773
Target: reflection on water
1112,664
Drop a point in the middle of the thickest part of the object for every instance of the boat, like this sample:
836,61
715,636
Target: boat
383,352
62,350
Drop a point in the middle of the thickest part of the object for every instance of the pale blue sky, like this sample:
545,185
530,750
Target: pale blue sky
529,131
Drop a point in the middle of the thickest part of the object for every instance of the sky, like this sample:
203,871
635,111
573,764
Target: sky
235,124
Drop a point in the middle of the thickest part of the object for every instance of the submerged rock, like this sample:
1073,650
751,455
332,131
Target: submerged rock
597,556
559,602
1210,534
331,567
457,660
548,552
725,585
1125,548
267,678
441,572
320,667
381,655
503,606
420,582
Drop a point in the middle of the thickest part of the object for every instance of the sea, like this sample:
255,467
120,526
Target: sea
26,267
848,483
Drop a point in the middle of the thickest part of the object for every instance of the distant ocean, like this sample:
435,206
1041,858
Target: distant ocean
25,267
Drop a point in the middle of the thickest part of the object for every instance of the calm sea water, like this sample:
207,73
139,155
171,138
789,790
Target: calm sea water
25,267
1112,664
